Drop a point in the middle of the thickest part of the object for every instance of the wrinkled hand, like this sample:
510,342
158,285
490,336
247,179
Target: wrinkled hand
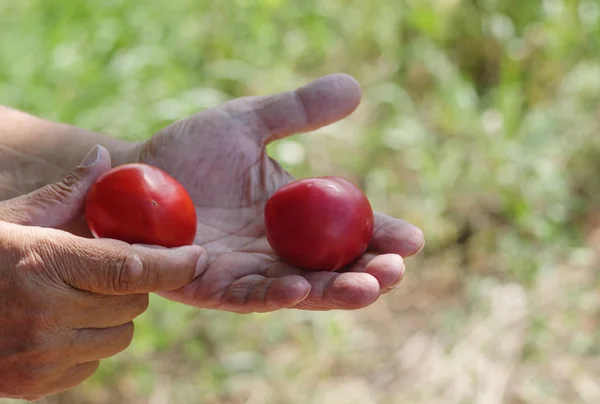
67,302
219,155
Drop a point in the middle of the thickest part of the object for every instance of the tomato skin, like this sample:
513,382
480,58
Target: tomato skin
139,203
319,224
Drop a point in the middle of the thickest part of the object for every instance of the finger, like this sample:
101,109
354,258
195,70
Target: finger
82,309
257,294
310,107
388,269
335,291
395,236
57,204
249,294
72,346
89,344
111,267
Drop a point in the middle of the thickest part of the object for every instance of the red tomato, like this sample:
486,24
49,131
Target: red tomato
139,203
319,224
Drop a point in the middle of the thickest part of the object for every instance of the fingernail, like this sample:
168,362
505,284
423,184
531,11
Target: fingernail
92,157
400,277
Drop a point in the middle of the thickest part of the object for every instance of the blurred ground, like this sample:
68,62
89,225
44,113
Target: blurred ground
480,125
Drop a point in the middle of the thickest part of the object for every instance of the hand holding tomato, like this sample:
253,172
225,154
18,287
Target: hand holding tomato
67,302
219,156
319,224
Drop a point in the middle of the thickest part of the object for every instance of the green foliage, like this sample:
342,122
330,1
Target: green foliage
479,124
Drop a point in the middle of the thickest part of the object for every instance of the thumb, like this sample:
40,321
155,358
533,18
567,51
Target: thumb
112,267
58,204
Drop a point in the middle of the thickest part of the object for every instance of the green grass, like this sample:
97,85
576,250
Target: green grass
479,124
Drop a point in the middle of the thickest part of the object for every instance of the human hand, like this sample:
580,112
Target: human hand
67,302
219,156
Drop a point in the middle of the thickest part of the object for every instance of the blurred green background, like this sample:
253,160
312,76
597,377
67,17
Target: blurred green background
480,123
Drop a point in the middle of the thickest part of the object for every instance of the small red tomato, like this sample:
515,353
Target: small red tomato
319,224
139,203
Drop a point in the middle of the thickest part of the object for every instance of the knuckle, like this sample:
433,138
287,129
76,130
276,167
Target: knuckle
127,273
69,181
59,191
259,297
53,193
248,295
43,258
235,295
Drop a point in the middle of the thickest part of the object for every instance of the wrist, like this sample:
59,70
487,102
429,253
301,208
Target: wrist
35,152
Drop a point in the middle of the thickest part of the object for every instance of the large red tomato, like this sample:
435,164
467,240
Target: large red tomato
319,224
139,203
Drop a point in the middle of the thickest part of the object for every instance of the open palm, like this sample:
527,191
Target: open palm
219,156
